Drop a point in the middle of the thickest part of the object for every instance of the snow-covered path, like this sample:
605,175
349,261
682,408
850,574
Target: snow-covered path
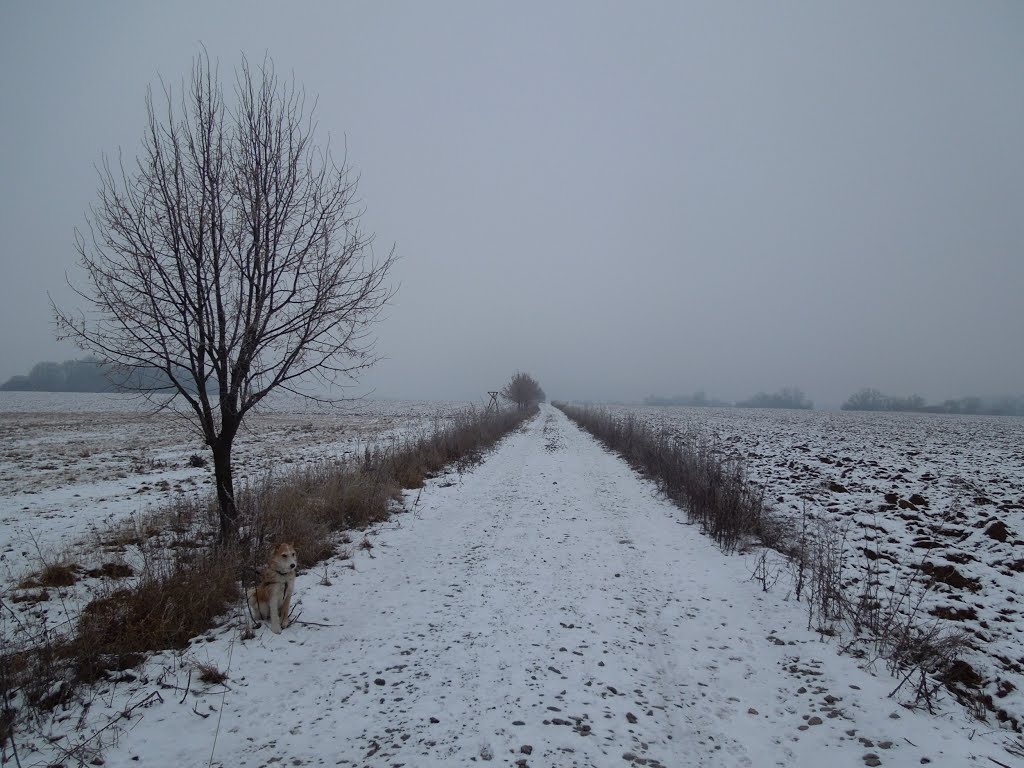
547,609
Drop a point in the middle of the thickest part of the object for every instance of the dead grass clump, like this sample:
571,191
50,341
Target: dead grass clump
924,655
112,571
169,606
41,596
962,674
211,674
948,574
58,575
953,613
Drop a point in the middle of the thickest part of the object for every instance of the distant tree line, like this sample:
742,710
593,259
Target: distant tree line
698,399
869,399
787,397
85,375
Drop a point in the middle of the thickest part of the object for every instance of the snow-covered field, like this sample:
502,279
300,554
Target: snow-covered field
913,491
72,463
548,608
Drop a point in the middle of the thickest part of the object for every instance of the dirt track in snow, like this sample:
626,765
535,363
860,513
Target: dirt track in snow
546,609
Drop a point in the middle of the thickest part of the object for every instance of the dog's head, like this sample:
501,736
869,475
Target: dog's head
283,560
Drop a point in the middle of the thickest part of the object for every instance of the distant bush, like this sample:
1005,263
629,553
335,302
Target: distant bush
787,397
523,390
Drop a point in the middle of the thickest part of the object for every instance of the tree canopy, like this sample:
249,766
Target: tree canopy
523,390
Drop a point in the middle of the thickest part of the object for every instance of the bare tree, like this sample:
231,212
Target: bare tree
522,389
228,257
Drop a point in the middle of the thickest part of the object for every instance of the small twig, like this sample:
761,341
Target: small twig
312,623
1015,748
1004,765
224,689
904,680
188,684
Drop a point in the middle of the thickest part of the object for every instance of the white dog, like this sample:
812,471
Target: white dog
271,599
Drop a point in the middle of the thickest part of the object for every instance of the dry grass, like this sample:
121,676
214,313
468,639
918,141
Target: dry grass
59,575
211,673
171,603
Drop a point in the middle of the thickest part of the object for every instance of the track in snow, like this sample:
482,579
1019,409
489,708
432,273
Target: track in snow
547,609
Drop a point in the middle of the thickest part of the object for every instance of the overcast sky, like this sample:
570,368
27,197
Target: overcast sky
621,198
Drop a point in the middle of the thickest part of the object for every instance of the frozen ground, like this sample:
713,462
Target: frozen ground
71,463
546,609
934,498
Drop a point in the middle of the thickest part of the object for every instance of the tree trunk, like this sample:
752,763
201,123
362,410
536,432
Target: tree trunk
225,491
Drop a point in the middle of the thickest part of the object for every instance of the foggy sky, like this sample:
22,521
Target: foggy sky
622,199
